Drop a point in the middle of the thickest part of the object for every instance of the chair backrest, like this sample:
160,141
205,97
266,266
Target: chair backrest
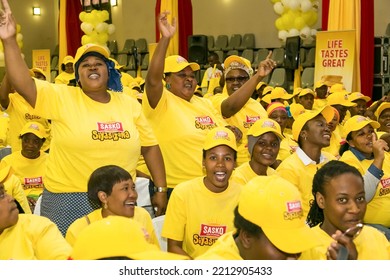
278,56
248,54
221,42
145,62
260,55
142,45
278,78
122,58
221,55
307,78
128,46
232,52
113,47
234,42
37,208
143,200
248,41
54,63
310,58
158,223
131,63
210,42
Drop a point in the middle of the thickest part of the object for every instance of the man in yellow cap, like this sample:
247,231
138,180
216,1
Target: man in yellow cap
67,74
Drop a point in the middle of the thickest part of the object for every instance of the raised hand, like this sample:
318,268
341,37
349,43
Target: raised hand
166,29
379,146
266,66
7,21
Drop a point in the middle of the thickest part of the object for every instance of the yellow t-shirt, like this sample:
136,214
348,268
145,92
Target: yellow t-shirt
225,248
181,127
33,238
287,147
370,245
64,78
31,172
244,173
243,119
378,209
140,215
20,112
127,79
89,134
334,147
4,121
294,170
197,216
14,188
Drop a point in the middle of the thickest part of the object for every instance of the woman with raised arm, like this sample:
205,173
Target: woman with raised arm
92,126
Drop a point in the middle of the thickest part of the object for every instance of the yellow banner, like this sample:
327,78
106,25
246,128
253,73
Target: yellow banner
41,59
335,57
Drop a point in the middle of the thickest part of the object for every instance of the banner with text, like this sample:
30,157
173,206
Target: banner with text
335,57
41,59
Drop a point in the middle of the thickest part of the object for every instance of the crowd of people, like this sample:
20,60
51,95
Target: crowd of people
238,171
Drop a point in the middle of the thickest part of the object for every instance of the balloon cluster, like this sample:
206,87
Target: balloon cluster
19,39
95,27
297,17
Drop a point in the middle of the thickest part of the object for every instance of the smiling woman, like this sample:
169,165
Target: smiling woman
78,113
113,189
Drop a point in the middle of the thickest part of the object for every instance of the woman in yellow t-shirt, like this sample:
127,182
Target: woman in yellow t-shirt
92,125
336,215
113,188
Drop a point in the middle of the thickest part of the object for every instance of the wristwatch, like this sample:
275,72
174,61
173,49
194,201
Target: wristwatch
160,189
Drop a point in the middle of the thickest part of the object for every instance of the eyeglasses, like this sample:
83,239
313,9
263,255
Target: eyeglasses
239,79
185,76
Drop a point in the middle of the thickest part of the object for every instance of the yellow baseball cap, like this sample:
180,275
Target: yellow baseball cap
37,70
275,106
267,91
337,87
303,118
220,136
340,98
117,236
35,128
91,48
296,91
319,84
176,63
276,93
358,122
265,125
381,108
358,95
67,59
259,85
237,62
284,221
296,109
307,91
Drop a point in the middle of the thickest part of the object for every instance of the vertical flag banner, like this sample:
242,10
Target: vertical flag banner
41,59
335,57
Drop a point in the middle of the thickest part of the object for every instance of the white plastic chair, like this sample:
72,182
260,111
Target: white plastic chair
142,188
37,209
158,223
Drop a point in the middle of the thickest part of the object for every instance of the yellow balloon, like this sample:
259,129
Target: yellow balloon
313,19
288,21
18,28
299,23
275,1
279,24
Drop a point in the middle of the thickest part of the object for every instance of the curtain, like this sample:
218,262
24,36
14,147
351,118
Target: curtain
70,32
345,15
181,10
359,15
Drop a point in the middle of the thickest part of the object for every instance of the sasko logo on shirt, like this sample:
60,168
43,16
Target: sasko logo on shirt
385,189
30,183
110,131
208,234
204,122
250,120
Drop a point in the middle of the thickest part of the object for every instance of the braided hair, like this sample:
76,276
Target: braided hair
323,176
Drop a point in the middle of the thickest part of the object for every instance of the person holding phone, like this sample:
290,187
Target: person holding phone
335,216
